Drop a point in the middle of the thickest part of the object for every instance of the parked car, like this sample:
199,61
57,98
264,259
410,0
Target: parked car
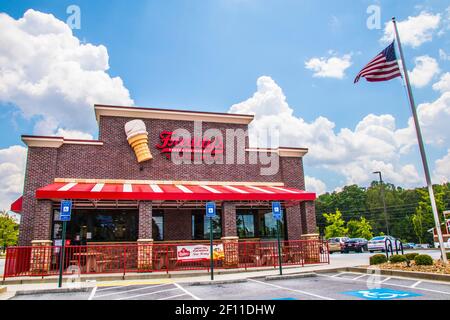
409,245
356,244
334,246
337,241
378,243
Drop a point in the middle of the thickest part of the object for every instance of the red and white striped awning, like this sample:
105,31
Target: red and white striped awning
126,191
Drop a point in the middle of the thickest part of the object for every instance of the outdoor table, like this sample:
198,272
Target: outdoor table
91,260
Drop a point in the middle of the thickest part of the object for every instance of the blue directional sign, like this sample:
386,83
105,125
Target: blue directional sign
276,210
381,294
65,210
210,209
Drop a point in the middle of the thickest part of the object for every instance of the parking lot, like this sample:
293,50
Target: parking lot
320,286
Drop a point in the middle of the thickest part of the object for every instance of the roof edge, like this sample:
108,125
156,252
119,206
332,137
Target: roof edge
171,114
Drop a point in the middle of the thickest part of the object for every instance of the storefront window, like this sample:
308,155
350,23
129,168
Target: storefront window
245,224
253,223
200,226
99,226
158,227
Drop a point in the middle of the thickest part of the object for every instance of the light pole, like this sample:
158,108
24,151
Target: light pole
384,202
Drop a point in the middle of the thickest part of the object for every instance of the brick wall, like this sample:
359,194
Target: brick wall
40,171
229,219
308,215
145,220
294,222
291,170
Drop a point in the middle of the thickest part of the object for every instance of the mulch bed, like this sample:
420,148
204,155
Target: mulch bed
437,267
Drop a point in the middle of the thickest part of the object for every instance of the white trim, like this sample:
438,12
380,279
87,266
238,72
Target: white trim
171,182
283,189
183,188
98,187
127,187
44,142
210,189
235,189
155,188
67,186
259,189
147,113
88,142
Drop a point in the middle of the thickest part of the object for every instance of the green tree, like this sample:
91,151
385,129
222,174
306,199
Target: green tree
9,230
335,225
359,228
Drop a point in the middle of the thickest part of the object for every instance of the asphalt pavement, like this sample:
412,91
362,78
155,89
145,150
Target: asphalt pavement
321,286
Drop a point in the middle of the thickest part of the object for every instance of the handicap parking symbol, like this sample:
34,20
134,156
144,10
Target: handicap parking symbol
381,294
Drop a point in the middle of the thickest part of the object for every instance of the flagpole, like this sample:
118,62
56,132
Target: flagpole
421,148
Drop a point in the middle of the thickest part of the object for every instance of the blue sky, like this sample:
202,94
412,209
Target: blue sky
208,55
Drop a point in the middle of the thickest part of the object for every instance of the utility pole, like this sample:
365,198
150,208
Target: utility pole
384,202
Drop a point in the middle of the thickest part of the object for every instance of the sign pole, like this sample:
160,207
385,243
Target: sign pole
62,254
279,248
211,248
211,213
421,148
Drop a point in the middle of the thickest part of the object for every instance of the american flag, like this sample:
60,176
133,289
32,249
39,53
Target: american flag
381,68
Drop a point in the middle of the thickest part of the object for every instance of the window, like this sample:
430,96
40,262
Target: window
200,225
245,224
99,226
158,226
253,223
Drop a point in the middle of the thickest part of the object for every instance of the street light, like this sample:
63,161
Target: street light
384,202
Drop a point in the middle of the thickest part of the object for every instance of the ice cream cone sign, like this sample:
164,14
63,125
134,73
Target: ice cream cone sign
137,136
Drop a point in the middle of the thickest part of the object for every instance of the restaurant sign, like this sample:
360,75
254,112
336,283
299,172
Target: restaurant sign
199,252
189,147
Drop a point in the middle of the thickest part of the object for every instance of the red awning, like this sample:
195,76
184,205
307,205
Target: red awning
16,206
110,191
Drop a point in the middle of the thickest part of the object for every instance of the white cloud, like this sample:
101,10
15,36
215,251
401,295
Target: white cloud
315,185
413,31
425,69
332,67
442,170
49,75
353,153
443,84
12,168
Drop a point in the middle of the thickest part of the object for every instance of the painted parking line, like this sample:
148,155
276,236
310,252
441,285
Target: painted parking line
175,296
186,291
395,285
361,276
145,294
416,284
293,290
131,290
91,296
121,283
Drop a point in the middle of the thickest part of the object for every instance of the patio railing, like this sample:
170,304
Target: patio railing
165,257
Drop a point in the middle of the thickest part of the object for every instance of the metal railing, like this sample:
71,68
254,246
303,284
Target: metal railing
168,257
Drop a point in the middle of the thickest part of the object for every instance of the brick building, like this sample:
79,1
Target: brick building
118,199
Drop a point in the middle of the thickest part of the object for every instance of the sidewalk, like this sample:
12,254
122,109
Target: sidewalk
179,277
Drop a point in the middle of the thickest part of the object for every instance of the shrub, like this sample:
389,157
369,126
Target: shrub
423,260
378,259
448,255
397,258
411,256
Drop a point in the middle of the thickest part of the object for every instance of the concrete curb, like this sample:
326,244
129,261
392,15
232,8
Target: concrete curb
291,276
205,283
141,276
398,273
58,290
